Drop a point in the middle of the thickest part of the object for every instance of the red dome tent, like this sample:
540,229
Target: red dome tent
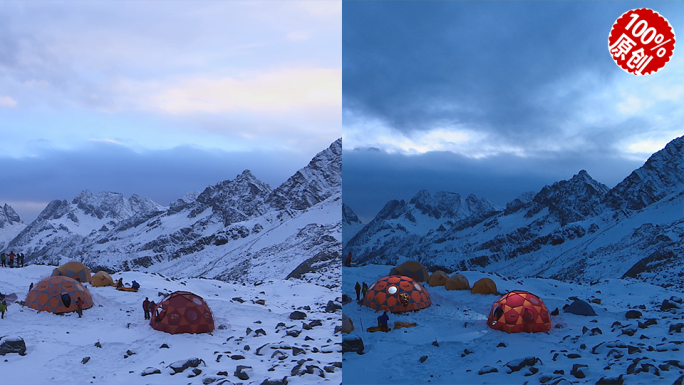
46,295
396,293
182,312
519,311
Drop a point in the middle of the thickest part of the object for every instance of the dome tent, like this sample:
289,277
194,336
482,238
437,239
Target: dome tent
396,293
182,312
484,286
102,278
74,270
457,282
46,295
438,278
580,307
519,311
412,269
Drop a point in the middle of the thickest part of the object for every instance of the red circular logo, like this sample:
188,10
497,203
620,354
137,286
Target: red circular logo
641,41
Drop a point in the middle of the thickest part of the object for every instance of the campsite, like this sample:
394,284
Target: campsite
635,337
254,337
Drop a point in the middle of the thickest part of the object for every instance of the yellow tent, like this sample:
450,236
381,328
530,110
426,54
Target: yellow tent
102,278
438,278
457,282
484,286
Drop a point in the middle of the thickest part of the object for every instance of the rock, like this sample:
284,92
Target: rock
501,345
633,314
516,365
679,380
610,380
242,372
85,360
279,355
164,346
423,359
150,370
313,369
297,315
237,357
269,381
293,333
181,365
297,351
260,302
332,307
352,343
259,332
574,355
667,305
98,344
435,343
677,328
12,345
238,299
195,372
555,312
487,369
578,370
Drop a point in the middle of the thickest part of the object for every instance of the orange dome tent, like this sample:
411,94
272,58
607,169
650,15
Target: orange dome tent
182,312
74,270
101,278
457,282
519,311
438,278
46,295
484,286
412,269
396,293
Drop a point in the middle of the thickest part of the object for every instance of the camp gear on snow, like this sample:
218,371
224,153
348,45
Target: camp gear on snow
119,283
401,325
411,269
519,311
135,285
101,278
438,278
386,292
457,282
183,312
374,329
484,286
46,294
74,270
580,307
124,288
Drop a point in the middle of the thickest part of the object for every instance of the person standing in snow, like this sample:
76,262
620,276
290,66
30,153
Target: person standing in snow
3,309
382,322
151,309
364,289
119,283
31,287
22,259
79,307
146,307
3,258
357,287
11,259
135,285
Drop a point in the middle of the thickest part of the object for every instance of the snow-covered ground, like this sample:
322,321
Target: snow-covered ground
58,345
455,345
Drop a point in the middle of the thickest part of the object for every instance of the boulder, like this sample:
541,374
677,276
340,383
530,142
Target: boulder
297,315
12,345
181,365
351,343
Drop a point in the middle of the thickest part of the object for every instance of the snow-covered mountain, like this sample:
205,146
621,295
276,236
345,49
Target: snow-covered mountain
573,229
241,230
10,225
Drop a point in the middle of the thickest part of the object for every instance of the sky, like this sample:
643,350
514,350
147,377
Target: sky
161,98
495,98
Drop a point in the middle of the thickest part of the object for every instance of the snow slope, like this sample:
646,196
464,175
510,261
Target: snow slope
455,344
57,345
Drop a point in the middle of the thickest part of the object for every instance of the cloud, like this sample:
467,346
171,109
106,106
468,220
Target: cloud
6,101
271,92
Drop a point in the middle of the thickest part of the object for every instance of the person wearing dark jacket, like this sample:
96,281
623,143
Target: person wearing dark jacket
151,309
382,321
3,258
3,309
146,307
364,289
79,307
357,287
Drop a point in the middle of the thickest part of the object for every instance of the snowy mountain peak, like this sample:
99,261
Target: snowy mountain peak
660,176
113,205
8,216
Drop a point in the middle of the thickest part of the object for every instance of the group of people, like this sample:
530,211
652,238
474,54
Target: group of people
148,307
11,256
360,289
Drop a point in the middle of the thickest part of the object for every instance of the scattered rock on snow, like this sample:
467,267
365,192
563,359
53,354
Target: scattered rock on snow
242,372
181,365
633,314
578,370
516,365
150,370
85,360
12,345
487,369
297,315
423,359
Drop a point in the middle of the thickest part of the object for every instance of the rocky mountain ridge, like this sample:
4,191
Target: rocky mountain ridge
235,224
577,229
